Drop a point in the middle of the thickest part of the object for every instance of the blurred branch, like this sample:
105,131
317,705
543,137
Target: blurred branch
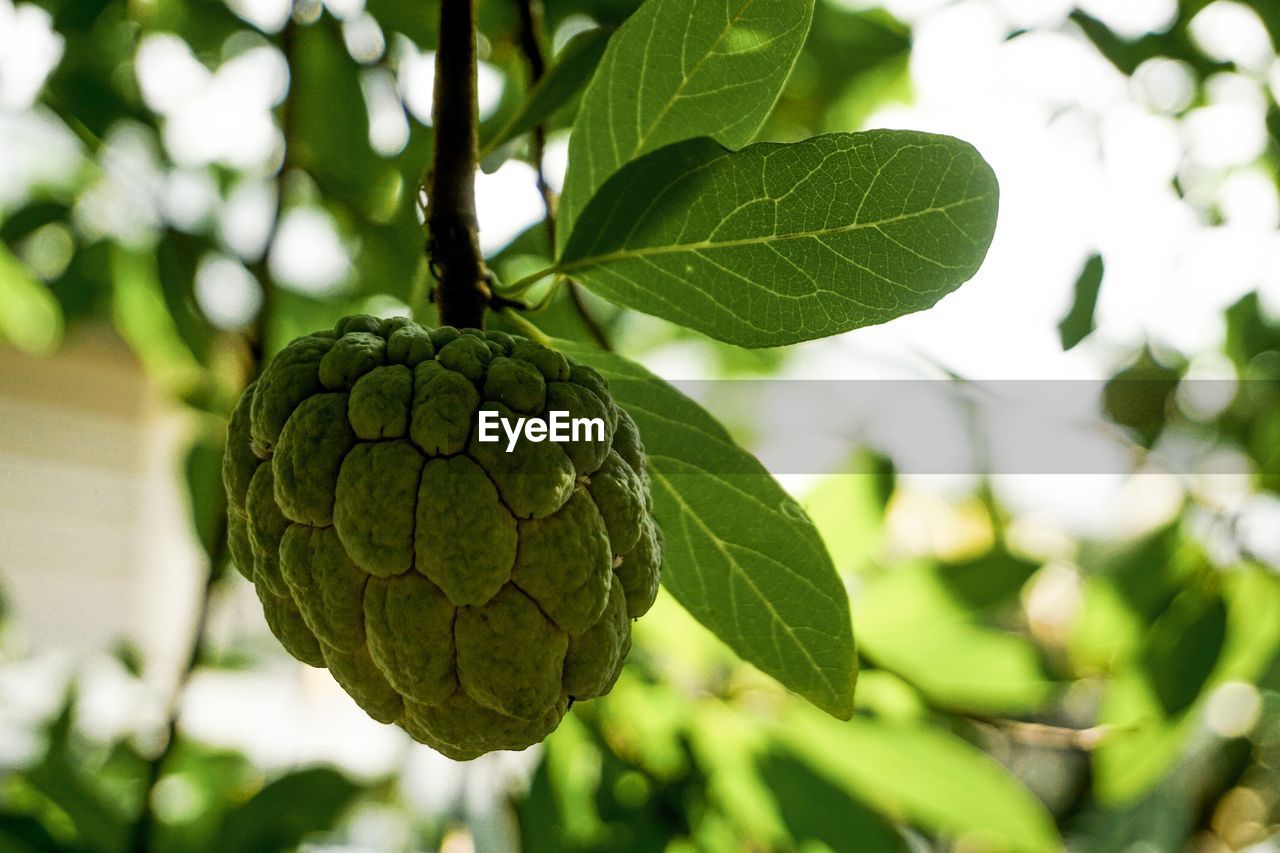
259,334
1020,731
144,825
530,37
453,242
219,556
1043,734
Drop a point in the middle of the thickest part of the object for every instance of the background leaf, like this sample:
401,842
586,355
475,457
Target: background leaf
563,82
675,70
815,811
922,623
1078,323
30,317
283,813
734,245
926,776
1183,648
741,556
1149,739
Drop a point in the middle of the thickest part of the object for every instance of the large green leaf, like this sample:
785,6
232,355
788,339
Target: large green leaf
776,244
675,70
741,556
925,776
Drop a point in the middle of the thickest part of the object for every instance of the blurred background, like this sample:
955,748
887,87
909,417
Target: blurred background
1080,660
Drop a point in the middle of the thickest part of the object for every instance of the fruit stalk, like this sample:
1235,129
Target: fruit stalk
453,245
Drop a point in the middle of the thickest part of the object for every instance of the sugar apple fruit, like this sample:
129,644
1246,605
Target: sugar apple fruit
465,593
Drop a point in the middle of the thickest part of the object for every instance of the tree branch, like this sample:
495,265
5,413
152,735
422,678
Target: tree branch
531,46
1043,734
452,231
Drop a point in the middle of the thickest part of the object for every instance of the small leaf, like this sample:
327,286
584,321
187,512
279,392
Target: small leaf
1141,396
675,70
329,137
1078,324
1183,648
1144,743
926,776
777,244
206,497
562,83
129,656
741,556
30,317
920,622
286,811
814,810
22,833
142,317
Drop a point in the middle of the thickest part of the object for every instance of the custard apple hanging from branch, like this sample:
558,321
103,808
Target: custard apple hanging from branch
463,592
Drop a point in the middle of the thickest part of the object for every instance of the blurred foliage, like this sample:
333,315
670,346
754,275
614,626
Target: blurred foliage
1145,708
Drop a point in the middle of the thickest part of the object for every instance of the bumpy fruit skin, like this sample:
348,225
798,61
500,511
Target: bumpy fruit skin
464,593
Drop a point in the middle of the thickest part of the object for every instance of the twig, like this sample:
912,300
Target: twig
530,36
144,825
1033,734
453,244
1043,734
526,328
531,46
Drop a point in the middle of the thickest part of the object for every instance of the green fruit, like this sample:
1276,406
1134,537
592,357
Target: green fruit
467,594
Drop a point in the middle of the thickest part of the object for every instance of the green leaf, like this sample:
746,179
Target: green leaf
62,777
22,833
206,498
814,810
923,775
1183,647
30,317
286,811
143,319
1147,740
1078,323
848,511
776,244
1144,742
675,70
920,623
741,556
562,83
329,130
1141,396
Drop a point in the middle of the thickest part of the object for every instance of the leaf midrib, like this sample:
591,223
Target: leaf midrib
685,77
703,245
